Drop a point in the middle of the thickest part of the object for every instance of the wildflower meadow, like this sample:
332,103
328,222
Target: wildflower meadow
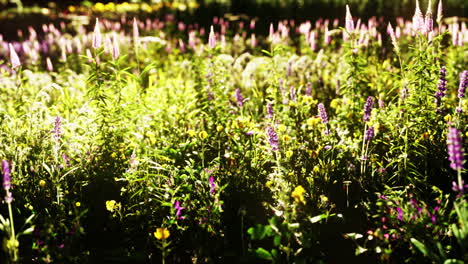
130,133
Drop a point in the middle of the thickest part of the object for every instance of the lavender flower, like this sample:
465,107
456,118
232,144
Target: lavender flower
270,111
239,98
369,134
455,151
57,128
6,175
272,138
178,210
463,84
441,87
404,92
322,113
368,108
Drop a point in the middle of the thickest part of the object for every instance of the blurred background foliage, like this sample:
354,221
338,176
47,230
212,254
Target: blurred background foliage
272,9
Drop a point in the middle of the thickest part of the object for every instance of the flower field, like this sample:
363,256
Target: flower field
132,139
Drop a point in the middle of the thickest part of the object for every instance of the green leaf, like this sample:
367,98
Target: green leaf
277,241
420,246
263,254
453,261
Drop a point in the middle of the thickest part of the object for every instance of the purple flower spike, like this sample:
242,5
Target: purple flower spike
322,113
368,108
212,185
463,84
239,98
270,111
178,210
57,128
441,87
369,134
6,175
455,151
272,138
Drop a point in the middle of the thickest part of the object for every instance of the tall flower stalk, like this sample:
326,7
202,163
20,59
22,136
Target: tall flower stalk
455,152
11,244
367,134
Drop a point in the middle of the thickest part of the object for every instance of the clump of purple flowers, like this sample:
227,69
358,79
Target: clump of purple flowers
455,151
322,113
368,108
272,138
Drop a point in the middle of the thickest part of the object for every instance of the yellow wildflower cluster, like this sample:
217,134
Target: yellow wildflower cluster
298,194
135,7
112,206
161,233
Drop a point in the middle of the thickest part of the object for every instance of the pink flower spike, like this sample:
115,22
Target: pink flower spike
15,62
97,38
115,47
136,33
49,65
439,12
212,39
349,20
428,21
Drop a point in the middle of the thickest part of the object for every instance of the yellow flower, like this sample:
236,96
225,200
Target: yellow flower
448,118
286,138
289,154
335,103
77,204
203,134
298,194
112,205
161,233
313,121
114,155
42,183
268,184
191,133
219,128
